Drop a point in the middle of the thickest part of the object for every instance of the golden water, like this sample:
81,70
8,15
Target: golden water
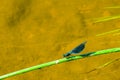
37,31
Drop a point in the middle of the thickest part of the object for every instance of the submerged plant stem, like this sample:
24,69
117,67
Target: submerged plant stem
104,65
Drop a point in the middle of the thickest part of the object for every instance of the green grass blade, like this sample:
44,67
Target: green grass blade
106,19
113,31
112,50
112,7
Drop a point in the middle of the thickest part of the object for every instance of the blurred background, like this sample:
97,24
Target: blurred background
37,31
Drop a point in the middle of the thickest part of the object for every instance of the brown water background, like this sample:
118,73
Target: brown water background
37,31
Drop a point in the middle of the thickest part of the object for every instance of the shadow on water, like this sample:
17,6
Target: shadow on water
20,10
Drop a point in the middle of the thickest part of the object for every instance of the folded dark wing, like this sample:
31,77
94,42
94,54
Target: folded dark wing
79,48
